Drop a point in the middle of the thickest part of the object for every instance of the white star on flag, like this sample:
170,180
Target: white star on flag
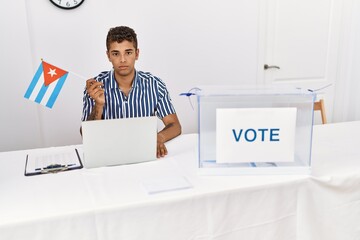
52,72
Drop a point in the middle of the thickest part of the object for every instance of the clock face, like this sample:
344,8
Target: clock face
67,4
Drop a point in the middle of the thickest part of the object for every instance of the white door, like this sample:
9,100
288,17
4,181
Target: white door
299,45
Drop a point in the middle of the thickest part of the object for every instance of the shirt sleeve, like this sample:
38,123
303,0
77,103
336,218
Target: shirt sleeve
88,104
164,106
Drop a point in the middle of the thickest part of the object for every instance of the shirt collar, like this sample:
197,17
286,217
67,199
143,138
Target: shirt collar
114,84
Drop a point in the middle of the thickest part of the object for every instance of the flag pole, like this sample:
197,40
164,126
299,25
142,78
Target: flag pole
78,75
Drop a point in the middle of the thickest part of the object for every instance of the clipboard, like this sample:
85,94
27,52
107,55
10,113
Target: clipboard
52,160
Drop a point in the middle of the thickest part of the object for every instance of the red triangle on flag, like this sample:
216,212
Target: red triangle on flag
51,73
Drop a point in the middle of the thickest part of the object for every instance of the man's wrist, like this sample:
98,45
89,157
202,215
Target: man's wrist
99,106
161,138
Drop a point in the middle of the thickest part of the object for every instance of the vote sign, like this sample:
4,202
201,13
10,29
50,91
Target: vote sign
255,135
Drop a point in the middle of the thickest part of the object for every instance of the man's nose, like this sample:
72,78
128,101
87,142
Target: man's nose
122,58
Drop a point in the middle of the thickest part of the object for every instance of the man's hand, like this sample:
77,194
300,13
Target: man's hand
95,91
161,148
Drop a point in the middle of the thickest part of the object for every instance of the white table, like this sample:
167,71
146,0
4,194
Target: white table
112,203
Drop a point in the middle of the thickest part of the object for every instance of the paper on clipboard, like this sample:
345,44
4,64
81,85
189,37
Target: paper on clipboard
52,160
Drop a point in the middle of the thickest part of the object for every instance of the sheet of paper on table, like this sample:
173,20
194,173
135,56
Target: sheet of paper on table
165,183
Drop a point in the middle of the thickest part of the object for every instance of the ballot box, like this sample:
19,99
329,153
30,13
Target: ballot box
254,130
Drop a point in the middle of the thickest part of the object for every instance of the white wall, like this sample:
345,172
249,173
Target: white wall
186,43
347,87
19,120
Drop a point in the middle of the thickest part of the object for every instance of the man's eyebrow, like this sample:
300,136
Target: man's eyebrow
126,50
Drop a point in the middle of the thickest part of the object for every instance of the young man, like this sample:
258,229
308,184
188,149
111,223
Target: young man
125,92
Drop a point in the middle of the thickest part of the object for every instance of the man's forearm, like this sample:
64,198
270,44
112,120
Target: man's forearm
96,113
169,132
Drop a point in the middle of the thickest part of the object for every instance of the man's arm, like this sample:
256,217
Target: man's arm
96,113
172,129
96,92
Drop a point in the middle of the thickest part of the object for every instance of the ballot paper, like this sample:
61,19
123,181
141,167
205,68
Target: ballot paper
52,160
165,183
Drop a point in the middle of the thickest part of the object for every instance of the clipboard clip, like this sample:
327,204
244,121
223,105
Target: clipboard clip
54,168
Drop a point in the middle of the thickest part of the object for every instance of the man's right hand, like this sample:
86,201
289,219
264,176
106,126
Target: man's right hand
95,91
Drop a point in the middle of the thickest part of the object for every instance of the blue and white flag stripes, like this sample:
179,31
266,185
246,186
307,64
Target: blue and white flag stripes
46,84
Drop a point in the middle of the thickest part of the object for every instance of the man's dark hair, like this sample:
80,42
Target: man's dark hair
119,34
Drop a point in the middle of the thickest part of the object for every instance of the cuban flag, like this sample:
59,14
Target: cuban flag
46,84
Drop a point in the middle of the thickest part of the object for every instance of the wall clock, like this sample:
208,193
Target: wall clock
67,4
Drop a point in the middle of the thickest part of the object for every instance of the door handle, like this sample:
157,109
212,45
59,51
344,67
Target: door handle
267,67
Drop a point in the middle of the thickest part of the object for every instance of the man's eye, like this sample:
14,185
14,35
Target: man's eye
129,53
115,54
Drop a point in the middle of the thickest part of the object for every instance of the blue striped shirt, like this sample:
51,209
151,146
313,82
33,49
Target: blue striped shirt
148,96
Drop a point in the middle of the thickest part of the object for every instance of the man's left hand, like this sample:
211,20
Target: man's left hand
161,148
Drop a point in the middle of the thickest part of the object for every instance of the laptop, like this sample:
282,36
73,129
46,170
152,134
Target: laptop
119,141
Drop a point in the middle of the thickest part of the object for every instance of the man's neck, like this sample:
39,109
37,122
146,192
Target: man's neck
125,82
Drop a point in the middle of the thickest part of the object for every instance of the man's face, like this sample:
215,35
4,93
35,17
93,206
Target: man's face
123,56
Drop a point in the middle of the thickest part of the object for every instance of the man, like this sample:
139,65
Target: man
125,92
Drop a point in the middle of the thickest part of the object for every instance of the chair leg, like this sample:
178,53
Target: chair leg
322,110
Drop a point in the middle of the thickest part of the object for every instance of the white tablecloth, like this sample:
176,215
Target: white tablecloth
112,203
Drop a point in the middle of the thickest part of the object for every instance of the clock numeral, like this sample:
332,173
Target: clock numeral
67,4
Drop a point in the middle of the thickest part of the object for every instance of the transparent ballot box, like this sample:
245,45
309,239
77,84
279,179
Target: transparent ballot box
254,130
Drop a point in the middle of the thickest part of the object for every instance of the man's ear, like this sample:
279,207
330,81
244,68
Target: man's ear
137,52
108,55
